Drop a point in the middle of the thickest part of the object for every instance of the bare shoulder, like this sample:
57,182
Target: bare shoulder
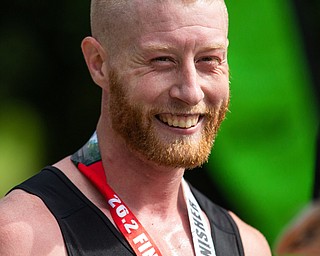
254,242
27,227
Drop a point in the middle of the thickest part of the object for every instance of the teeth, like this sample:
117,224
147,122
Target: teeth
188,123
179,121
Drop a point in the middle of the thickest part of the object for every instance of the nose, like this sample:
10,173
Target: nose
187,87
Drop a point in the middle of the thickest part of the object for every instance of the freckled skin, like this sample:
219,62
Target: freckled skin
172,66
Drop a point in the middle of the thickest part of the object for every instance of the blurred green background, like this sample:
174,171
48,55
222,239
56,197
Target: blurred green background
263,161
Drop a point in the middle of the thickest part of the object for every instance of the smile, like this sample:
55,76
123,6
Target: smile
179,121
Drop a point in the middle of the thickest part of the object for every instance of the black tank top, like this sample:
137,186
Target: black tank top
88,232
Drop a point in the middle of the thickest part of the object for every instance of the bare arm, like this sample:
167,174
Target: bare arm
254,242
27,227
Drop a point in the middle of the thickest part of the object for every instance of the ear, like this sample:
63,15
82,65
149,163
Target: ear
95,57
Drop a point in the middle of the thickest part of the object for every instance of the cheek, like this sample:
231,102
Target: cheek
223,91
217,90
149,89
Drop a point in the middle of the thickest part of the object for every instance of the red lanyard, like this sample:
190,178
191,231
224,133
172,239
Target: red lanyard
88,161
127,223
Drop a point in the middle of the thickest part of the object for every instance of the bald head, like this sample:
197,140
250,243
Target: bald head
110,19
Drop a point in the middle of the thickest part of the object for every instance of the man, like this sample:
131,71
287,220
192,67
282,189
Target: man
162,67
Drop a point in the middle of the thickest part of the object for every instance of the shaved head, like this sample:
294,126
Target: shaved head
147,60
110,19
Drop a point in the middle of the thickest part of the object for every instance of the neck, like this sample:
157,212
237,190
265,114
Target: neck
144,186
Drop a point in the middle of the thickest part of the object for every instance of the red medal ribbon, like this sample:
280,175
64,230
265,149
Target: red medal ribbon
88,161
127,223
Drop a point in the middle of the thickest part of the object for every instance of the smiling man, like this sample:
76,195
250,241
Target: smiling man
162,67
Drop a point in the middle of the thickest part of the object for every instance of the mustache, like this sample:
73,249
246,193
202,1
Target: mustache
210,112
177,108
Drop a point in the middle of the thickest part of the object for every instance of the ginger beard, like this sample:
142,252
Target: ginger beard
135,124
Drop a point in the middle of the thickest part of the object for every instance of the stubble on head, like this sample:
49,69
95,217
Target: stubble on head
110,19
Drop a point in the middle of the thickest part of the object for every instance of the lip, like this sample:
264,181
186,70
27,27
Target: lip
182,131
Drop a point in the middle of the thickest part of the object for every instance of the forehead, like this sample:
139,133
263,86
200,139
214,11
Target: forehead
155,15
154,24
196,23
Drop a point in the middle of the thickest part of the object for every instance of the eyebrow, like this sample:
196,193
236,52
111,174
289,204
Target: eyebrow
158,47
168,48
214,47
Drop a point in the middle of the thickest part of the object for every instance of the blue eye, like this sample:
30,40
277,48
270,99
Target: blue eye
163,63
214,60
162,58
208,63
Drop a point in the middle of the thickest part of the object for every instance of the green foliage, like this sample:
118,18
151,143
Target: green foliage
22,144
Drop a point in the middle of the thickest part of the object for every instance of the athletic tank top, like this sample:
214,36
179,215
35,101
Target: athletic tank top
88,232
